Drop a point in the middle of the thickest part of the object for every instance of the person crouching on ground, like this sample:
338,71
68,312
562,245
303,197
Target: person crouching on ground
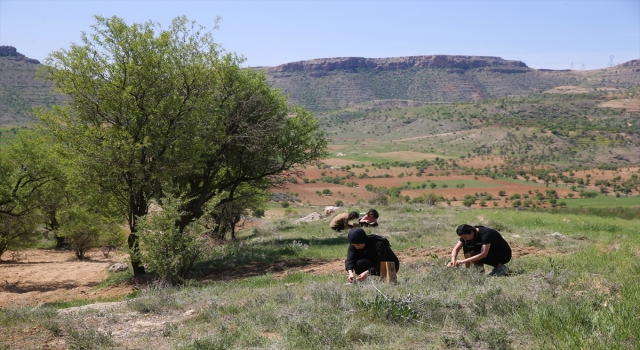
482,245
341,221
366,253
370,219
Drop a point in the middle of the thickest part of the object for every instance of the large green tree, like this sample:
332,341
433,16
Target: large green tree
154,111
29,175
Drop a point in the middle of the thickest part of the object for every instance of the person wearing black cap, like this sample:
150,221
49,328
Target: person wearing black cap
366,253
483,245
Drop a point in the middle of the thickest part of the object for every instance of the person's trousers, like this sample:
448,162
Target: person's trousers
493,258
363,265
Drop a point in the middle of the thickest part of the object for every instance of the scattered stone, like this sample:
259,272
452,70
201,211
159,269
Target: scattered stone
119,267
96,306
328,210
189,312
311,217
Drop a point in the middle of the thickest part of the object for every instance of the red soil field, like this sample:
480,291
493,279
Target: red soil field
307,191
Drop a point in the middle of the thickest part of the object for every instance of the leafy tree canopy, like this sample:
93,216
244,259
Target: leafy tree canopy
154,111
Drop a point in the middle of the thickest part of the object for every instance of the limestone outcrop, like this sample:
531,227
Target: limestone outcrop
395,63
11,51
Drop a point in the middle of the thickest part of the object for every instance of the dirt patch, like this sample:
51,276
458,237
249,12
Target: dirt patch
570,89
410,156
56,275
630,104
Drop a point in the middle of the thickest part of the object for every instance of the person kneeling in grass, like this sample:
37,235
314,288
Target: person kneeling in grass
482,245
366,253
341,221
370,219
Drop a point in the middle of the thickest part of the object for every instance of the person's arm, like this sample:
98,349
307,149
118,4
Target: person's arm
348,264
483,253
454,254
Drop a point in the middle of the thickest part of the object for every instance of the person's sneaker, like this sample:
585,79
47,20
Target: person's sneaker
499,271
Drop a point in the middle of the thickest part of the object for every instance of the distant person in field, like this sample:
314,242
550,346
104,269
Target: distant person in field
365,254
370,219
341,221
481,245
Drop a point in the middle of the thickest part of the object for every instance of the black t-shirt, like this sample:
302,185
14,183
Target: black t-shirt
486,235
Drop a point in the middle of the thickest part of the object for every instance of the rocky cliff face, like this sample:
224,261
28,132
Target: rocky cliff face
394,63
11,51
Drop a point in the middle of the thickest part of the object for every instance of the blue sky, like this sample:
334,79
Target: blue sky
541,33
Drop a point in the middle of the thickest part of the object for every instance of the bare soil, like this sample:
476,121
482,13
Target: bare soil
41,276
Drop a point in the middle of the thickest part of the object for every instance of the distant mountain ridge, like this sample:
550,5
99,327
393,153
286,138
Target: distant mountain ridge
393,63
334,83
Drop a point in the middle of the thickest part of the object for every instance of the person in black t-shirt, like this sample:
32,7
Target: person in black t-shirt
482,245
365,255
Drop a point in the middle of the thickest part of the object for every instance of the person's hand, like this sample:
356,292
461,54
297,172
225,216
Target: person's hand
351,276
363,276
451,264
458,263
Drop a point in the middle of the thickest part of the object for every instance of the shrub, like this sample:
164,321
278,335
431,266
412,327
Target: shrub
167,251
89,339
84,230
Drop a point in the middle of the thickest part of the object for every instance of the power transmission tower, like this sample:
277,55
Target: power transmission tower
571,65
583,66
611,61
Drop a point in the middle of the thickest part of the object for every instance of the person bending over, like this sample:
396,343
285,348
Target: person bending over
370,219
482,245
341,221
365,254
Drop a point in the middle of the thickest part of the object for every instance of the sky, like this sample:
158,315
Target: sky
550,34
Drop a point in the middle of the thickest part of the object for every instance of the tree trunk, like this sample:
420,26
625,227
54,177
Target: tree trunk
136,264
60,244
138,206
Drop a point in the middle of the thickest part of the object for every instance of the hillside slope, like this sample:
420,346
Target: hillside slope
333,83
20,91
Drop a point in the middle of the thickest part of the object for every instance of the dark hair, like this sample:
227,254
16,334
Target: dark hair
354,214
373,213
465,229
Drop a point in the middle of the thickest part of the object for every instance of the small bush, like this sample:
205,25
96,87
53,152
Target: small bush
167,251
89,339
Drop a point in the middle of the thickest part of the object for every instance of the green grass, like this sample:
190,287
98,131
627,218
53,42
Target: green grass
602,201
452,183
579,291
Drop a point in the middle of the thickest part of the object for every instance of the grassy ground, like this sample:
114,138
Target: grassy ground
578,291
602,201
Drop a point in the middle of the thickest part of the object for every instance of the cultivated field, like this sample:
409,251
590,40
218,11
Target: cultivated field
452,185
